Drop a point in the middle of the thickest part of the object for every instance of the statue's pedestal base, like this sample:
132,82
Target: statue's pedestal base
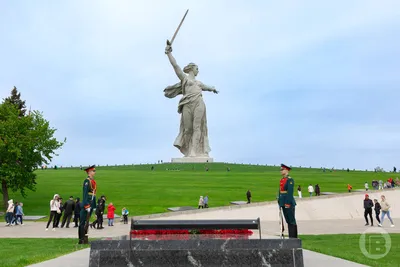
192,160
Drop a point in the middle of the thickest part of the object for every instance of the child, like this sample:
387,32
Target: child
125,213
377,210
110,214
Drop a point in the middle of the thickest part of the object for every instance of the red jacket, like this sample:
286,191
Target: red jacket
110,211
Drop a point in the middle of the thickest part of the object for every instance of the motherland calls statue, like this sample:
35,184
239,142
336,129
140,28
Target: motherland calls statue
192,139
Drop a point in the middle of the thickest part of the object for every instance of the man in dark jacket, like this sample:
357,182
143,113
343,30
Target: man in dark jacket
368,205
69,207
248,195
77,211
99,213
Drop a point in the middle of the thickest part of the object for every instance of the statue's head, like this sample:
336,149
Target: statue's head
191,67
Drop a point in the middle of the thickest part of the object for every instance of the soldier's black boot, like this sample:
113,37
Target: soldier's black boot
295,230
80,236
292,229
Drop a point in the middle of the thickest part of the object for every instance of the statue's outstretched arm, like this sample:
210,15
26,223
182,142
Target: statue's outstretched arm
177,69
208,88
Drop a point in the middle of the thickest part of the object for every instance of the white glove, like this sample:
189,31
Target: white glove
88,209
168,49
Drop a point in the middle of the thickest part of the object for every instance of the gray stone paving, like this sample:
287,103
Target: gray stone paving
33,218
239,202
310,221
175,209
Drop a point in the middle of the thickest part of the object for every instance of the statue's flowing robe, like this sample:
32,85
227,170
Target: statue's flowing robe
191,101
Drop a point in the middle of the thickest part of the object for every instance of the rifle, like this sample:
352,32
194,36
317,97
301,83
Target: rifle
281,219
281,223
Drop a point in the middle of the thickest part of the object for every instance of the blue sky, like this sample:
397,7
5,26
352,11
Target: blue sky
304,83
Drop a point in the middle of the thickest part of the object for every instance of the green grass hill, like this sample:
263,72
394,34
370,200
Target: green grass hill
144,191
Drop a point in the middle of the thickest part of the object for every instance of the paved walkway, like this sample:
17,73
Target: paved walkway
268,228
321,216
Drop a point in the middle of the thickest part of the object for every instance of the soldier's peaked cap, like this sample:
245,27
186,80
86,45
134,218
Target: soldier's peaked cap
285,167
90,168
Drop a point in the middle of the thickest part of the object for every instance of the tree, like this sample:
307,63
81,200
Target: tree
26,142
15,99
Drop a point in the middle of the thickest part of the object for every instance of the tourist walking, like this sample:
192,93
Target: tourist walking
19,213
54,210
368,204
310,190
10,212
299,191
385,206
206,202
377,210
68,210
248,195
201,202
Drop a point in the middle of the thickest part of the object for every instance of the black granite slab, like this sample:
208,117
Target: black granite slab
211,252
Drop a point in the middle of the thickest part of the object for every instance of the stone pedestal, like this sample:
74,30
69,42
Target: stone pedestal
192,160
192,252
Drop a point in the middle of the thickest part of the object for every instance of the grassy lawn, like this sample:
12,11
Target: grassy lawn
19,252
23,252
144,191
347,247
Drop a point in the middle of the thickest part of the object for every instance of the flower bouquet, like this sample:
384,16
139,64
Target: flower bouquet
191,234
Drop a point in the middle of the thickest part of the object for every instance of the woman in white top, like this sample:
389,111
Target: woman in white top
201,202
54,209
10,212
385,211
310,190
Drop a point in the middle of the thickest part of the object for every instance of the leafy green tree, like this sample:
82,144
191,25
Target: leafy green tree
26,142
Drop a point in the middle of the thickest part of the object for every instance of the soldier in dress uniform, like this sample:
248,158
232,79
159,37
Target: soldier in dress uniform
88,203
286,200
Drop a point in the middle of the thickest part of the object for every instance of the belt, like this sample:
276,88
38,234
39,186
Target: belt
91,193
283,191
